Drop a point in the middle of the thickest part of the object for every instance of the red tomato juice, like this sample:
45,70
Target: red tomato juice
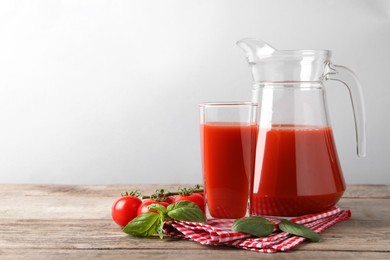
228,162
297,171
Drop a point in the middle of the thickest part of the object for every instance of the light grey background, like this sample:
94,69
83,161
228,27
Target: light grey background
100,92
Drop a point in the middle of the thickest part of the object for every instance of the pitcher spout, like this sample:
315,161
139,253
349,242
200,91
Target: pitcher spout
255,49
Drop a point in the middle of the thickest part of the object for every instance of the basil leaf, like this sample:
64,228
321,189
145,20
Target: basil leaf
186,211
256,226
160,227
144,225
299,230
158,207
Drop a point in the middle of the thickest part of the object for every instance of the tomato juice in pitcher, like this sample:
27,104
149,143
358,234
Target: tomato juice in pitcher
297,170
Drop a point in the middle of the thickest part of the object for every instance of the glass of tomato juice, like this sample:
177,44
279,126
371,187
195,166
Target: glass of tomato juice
228,132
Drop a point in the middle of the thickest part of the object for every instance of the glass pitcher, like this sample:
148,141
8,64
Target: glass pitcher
297,170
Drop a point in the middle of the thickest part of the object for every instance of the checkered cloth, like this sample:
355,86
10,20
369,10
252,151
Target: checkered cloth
218,232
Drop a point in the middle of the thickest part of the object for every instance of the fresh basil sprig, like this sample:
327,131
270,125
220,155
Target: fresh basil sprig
150,223
186,211
145,225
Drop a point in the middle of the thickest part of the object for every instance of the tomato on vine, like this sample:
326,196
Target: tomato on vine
189,195
143,208
130,205
125,209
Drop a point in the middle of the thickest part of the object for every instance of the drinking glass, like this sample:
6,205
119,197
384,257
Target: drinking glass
228,143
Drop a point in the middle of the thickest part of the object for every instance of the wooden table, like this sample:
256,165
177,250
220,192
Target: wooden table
74,222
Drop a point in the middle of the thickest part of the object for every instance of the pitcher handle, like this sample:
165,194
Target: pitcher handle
350,80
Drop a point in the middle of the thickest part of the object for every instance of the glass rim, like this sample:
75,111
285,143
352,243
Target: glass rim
228,104
297,55
306,52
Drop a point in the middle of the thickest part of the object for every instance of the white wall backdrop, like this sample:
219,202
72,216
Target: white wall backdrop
101,92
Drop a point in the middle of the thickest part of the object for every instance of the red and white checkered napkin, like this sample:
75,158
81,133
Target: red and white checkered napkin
218,232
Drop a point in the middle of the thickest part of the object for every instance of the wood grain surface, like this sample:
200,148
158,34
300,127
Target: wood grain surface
74,222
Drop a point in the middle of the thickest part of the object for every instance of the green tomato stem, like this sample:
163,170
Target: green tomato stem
158,195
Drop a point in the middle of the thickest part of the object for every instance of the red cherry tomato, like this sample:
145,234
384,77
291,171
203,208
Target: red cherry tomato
168,199
125,209
201,194
195,198
143,208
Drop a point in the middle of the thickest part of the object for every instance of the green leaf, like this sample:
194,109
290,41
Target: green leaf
299,230
144,225
256,226
160,229
186,211
161,209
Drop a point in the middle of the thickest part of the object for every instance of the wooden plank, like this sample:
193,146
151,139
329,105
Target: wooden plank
367,209
94,202
351,235
368,191
84,206
212,253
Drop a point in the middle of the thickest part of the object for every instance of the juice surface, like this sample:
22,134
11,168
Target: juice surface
297,171
228,163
